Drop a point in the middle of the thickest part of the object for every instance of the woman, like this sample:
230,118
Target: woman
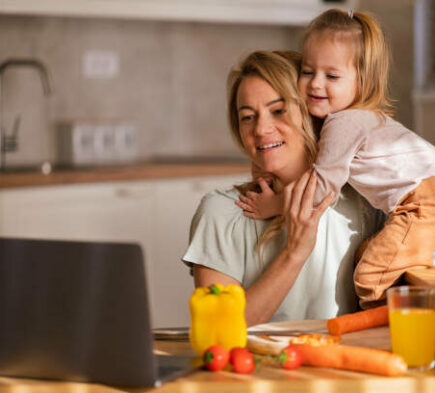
305,269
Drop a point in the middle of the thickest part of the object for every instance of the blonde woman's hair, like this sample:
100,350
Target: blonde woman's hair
372,54
281,70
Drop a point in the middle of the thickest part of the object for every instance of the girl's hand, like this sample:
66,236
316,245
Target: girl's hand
261,205
302,218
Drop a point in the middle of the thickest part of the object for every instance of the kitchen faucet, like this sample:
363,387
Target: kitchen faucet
10,142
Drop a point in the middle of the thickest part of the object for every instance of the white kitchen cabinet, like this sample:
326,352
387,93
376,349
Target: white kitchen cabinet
79,212
176,202
154,213
100,212
284,12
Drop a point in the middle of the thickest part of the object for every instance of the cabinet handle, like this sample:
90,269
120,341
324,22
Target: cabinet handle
127,193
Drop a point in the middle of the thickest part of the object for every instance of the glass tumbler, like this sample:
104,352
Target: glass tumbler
411,313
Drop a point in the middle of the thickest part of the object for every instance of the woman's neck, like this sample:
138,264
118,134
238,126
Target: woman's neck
292,174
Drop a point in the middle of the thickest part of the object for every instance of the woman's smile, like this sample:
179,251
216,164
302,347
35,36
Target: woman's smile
270,146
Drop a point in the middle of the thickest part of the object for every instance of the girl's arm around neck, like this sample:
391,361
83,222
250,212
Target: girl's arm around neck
340,141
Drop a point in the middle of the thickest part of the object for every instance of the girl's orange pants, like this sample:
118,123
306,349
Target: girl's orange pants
407,241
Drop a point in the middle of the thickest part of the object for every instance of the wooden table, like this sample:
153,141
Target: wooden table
425,277
267,378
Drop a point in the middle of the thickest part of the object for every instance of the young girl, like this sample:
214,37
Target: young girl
344,83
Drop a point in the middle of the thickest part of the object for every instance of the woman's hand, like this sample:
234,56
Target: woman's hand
302,219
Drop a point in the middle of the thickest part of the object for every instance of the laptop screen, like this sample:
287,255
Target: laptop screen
75,311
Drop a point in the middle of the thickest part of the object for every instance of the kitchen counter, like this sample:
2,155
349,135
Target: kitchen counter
146,170
267,378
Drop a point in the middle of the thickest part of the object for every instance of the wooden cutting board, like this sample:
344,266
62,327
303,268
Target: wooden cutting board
373,338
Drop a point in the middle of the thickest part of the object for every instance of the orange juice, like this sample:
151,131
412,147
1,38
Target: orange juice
413,335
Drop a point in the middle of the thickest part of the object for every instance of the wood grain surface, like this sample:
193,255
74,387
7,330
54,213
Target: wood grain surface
267,378
425,277
120,173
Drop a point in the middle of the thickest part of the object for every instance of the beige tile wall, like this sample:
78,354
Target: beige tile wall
172,77
171,83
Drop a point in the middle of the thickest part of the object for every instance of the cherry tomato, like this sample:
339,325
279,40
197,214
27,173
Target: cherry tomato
242,360
216,358
290,358
236,352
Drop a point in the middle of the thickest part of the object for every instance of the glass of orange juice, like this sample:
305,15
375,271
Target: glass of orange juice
412,324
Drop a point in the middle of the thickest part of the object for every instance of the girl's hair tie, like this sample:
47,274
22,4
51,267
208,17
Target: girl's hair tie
350,14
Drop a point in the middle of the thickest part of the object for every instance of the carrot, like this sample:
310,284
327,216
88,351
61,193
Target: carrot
346,357
358,321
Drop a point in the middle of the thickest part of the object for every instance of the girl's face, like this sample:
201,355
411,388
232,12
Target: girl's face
270,134
328,80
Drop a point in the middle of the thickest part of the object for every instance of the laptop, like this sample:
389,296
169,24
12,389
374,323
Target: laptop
78,311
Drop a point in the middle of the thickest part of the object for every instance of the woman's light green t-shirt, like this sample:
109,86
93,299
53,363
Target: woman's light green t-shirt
223,239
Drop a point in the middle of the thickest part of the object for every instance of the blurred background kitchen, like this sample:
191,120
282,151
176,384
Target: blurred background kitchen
86,85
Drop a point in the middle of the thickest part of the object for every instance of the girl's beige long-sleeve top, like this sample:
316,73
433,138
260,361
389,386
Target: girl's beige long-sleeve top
376,155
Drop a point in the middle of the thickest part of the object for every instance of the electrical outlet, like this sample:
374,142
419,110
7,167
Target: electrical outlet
100,64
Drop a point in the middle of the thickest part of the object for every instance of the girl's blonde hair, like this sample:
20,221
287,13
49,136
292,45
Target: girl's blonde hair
281,70
372,54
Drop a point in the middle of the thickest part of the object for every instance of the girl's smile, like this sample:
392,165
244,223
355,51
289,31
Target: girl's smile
316,98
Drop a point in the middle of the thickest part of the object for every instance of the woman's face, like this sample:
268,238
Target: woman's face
272,141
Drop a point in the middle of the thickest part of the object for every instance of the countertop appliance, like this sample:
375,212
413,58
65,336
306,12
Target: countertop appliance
84,143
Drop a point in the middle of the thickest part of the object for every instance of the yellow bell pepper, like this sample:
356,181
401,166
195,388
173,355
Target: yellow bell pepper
218,317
